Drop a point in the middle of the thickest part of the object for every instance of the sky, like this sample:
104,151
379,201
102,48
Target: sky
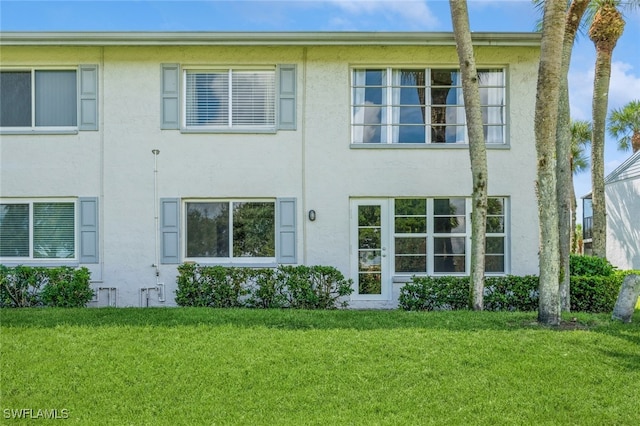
344,15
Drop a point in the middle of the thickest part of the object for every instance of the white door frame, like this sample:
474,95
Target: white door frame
381,251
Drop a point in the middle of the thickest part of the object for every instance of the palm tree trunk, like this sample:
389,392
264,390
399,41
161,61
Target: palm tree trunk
606,29
599,110
546,114
563,152
477,148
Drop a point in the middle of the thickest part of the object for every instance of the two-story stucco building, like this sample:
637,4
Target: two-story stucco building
130,153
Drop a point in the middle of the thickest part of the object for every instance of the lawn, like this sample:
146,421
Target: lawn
189,366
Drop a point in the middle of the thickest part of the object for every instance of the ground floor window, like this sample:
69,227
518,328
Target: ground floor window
433,235
230,229
37,230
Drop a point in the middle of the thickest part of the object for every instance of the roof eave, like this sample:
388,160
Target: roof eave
261,38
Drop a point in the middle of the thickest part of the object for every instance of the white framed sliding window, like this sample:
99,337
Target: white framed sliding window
43,229
48,100
422,106
233,98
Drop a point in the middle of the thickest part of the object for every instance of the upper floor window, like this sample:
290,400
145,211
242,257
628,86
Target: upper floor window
230,98
38,98
49,99
422,106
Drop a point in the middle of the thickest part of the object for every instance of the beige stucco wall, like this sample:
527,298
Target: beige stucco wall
314,163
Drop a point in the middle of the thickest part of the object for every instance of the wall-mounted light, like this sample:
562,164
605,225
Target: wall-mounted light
312,215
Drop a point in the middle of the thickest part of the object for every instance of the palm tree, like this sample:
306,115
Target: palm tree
605,31
545,124
580,140
624,125
477,148
565,189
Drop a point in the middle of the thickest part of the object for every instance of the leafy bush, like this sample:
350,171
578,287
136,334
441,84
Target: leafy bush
210,286
511,293
304,287
28,286
596,293
589,266
435,293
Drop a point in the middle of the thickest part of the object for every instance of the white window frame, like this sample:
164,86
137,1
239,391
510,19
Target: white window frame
230,126
49,260
231,260
33,127
430,235
387,125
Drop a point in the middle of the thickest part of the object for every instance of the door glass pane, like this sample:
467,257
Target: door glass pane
208,229
369,250
254,229
14,230
15,99
53,230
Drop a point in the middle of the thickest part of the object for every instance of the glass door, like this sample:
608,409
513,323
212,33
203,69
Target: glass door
369,249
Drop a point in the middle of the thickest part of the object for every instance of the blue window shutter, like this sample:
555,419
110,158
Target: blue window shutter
286,230
170,230
170,107
88,97
286,80
88,223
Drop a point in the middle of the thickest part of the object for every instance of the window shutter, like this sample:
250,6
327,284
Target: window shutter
170,107
88,222
286,78
170,230
286,230
88,97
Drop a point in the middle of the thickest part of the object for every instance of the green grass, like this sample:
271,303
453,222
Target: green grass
204,366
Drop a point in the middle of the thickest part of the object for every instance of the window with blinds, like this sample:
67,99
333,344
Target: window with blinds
230,98
38,98
38,230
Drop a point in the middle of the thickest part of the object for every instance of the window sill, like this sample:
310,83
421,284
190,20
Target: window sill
46,263
423,146
271,130
239,264
39,132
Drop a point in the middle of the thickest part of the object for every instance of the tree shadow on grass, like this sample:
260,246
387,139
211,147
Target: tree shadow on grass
290,319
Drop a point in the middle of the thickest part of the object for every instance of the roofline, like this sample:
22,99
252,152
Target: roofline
613,176
299,38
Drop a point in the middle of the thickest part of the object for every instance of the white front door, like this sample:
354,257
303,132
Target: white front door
369,249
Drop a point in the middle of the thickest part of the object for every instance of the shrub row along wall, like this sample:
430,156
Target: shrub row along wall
28,286
509,293
304,287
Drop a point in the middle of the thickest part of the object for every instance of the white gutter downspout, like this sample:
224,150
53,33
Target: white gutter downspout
160,287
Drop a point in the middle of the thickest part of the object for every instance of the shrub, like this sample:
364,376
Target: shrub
589,266
305,287
314,287
435,293
511,293
28,286
212,286
596,293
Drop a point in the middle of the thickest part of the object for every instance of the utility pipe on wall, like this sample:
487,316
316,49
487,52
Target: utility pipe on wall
160,287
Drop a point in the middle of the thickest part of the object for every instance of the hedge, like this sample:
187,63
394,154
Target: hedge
306,287
30,286
509,293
